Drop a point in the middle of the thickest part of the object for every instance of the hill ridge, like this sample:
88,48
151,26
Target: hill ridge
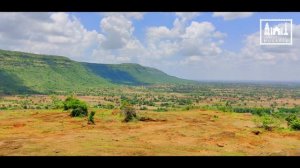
22,72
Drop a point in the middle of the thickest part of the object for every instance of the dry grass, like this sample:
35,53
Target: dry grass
194,132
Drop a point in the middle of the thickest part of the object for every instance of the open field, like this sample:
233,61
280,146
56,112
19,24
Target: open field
204,119
194,132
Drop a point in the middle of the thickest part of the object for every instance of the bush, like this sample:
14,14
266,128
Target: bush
290,118
295,124
79,112
79,108
91,118
129,113
56,103
268,122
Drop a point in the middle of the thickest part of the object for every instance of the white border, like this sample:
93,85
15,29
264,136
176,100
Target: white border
278,20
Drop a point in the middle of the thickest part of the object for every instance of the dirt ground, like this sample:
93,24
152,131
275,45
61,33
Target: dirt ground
194,132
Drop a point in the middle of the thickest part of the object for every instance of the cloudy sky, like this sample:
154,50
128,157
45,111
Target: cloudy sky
200,46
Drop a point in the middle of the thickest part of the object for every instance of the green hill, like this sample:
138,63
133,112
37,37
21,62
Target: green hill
33,73
133,74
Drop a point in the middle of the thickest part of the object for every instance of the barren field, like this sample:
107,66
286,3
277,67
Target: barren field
194,132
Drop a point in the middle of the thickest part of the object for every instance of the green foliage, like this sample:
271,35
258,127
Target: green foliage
32,73
129,113
293,122
105,106
289,110
91,118
56,102
133,74
268,122
161,109
184,101
79,108
290,118
79,112
257,111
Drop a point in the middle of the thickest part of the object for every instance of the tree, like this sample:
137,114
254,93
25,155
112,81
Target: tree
79,108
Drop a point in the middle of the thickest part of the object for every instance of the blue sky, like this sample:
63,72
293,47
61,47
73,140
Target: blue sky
236,29
200,46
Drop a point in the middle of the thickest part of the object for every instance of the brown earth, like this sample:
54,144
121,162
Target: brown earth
195,132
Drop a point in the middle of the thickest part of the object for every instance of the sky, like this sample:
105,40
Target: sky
191,45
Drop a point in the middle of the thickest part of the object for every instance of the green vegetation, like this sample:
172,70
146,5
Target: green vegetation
91,118
268,122
56,102
31,73
26,73
78,107
161,109
293,122
129,112
133,74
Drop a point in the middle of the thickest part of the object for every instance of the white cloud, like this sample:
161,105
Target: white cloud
117,30
119,44
198,38
128,15
186,16
232,15
271,54
46,33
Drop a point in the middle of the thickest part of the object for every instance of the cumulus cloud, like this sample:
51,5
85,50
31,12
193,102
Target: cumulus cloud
270,53
198,39
117,30
232,15
119,44
47,33
129,15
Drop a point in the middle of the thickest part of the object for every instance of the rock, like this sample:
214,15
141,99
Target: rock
56,151
220,145
256,132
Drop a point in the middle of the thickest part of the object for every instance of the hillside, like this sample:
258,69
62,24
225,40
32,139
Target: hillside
133,74
33,73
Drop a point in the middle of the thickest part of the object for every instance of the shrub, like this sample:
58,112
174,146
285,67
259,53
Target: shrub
79,108
290,118
295,124
129,113
79,112
91,118
56,102
268,122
